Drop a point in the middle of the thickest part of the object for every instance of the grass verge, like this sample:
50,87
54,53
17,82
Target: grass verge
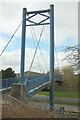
61,94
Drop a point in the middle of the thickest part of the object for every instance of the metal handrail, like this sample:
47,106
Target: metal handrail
38,78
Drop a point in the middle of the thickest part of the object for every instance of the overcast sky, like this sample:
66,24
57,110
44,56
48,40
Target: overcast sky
66,33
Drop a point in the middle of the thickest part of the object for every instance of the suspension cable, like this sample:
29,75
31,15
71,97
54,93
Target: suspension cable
34,54
35,48
40,50
12,37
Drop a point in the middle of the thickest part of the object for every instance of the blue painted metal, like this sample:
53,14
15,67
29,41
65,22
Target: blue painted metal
57,78
23,45
38,77
16,100
34,77
44,20
38,11
23,36
34,80
5,89
31,16
52,56
22,102
34,83
38,100
38,24
34,54
7,82
43,15
39,49
31,21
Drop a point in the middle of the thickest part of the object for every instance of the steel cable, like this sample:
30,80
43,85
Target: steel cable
35,47
40,50
11,37
34,54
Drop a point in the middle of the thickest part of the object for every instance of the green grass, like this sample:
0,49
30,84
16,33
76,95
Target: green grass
64,103
61,94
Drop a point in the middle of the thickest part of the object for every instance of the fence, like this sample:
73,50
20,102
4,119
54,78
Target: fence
7,82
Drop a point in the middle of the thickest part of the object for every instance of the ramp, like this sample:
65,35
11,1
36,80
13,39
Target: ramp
34,83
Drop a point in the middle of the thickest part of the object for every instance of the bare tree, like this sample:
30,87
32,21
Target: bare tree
73,56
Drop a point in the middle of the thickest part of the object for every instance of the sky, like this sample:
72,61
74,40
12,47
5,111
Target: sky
65,33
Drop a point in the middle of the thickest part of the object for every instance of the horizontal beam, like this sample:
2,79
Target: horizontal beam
5,89
38,24
39,11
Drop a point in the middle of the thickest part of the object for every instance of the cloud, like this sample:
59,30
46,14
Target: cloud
2,42
65,19
11,16
59,62
30,1
12,59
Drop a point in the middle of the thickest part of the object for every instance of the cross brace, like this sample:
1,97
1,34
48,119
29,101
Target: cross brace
41,13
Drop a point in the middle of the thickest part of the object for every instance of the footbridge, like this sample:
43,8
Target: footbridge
34,83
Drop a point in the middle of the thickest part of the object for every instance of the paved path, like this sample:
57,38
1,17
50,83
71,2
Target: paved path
73,100
71,108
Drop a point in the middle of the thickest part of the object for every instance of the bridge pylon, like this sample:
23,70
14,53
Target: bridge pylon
33,23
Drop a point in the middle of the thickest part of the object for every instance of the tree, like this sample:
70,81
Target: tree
68,72
70,79
73,56
56,72
8,73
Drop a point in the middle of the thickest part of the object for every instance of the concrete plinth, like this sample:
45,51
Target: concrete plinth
18,90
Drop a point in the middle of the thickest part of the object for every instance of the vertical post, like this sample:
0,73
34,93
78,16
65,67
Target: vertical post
52,56
23,45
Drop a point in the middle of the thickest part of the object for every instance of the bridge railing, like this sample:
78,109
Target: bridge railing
7,82
32,82
35,77
36,82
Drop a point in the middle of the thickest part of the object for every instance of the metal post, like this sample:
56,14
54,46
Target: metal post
23,45
52,56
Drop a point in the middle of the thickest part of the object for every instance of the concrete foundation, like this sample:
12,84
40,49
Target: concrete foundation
18,90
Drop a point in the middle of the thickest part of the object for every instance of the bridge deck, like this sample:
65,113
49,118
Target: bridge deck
34,83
